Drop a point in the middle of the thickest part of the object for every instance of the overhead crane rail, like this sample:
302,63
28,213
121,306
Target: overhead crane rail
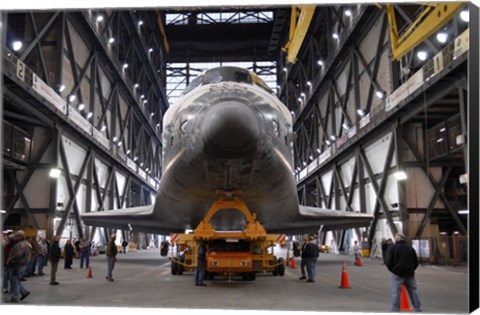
434,16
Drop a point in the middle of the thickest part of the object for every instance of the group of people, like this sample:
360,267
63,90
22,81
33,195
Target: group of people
400,258
23,255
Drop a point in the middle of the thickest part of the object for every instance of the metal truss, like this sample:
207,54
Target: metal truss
113,109
331,90
216,17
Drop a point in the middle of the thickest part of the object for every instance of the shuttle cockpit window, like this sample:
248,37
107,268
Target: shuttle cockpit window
226,74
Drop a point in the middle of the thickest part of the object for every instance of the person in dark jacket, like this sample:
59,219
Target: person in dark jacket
402,262
311,256
55,254
201,265
111,253
69,252
303,262
386,245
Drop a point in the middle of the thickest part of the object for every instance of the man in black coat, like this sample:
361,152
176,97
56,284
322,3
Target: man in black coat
55,253
401,261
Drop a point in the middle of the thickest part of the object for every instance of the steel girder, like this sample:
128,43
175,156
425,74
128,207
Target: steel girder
73,45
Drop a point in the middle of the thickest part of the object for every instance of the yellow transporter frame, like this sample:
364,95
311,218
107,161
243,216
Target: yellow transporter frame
258,259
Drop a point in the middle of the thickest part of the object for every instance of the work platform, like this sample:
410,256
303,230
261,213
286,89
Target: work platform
143,279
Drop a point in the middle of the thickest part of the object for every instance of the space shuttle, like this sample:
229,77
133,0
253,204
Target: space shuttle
228,132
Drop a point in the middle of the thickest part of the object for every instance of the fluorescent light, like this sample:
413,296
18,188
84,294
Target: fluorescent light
61,88
100,18
72,98
465,16
348,12
318,150
380,94
309,83
400,175
345,126
158,125
3,211
103,128
302,94
304,163
333,137
152,114
150,50
125,65
128,152
440,140
144,101
81,106
136,85
111,40
140,23
443,129
360,112
335,35
17,45
293,113
141,164
119,143
54,173
142,96
442,37
443,233
89,115
422,55
327,142
300,99
114,139
320,63
464,211
135,158
311,157
285,69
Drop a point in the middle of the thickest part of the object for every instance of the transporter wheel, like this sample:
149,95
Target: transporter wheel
180,267
252,276
281,268
275,269
174,268
245,276
209,276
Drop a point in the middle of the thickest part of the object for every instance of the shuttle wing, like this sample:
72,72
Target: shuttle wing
144,219
137,219
310,219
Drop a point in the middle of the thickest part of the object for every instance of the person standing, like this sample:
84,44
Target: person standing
41,255
201,265
303,262
69,252
10,242
311,256
18,258
111,253
55,254
385,248
402,262
84,253
124,245
356,251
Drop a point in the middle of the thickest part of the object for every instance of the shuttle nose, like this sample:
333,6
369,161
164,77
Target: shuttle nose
230,129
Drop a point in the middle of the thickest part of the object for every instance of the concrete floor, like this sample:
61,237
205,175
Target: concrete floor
143,279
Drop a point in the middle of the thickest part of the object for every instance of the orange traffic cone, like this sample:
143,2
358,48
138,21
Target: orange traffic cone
294,263
287,262
358,262
404,306
345,284
89,273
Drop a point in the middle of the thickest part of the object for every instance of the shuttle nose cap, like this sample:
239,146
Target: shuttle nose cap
230,129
